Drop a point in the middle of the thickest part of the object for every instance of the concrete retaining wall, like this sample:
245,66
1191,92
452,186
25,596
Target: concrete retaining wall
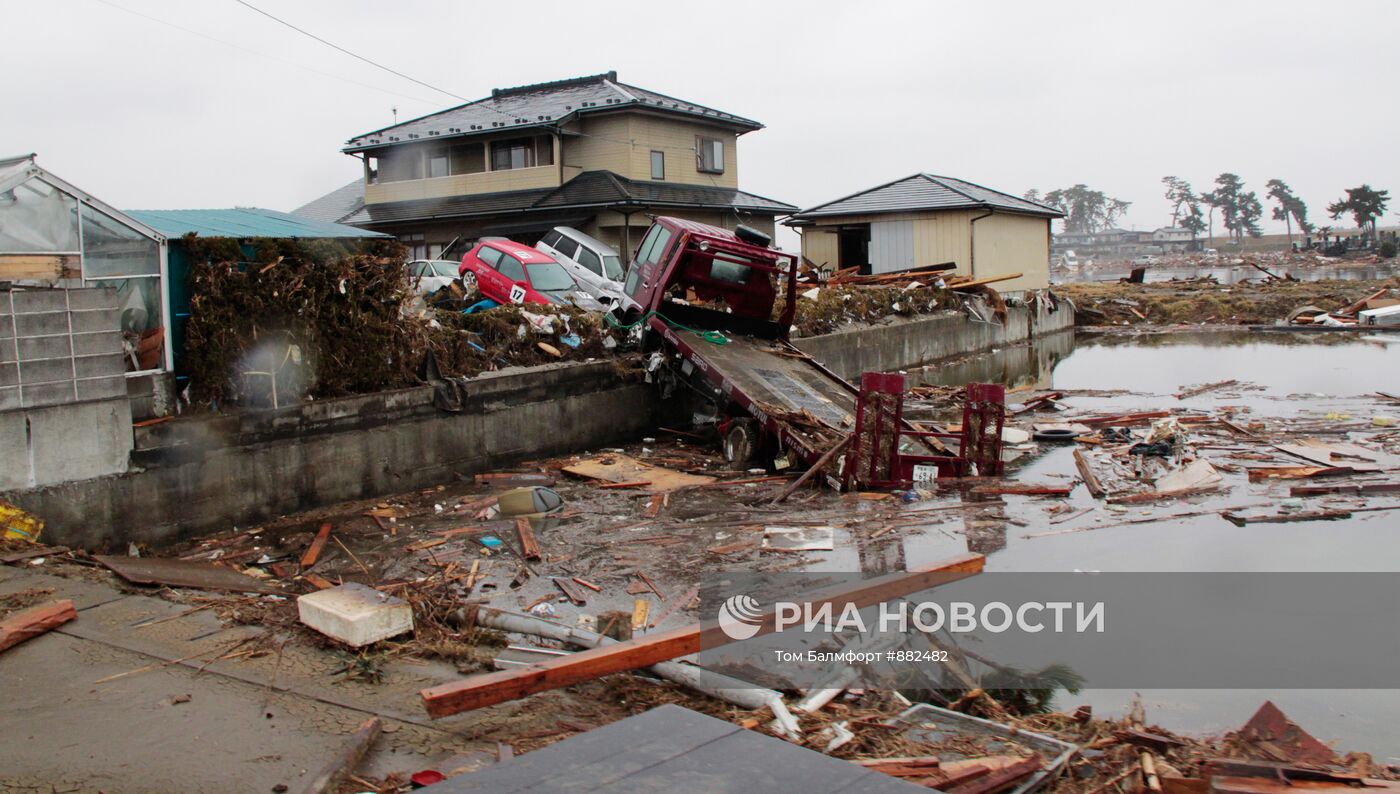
905,343
242,469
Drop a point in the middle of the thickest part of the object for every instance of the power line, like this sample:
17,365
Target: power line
240,48
348,52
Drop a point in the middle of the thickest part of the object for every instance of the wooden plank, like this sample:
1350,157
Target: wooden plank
347,759
619,468
1024,490
1091,480
317,544
1285,518
1297,472
37,266
28,623
529,547
499,687
1354,488
640,608
998,779
570,590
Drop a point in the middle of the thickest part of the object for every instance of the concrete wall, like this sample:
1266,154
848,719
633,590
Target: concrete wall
209,474
901,343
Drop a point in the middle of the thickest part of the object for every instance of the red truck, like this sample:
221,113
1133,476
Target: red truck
707,300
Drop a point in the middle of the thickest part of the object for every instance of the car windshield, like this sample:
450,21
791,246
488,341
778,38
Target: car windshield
612,268
445,269
550,277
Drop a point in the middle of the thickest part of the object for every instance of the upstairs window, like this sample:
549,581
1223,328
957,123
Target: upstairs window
438,163
658,165
522,153
709,155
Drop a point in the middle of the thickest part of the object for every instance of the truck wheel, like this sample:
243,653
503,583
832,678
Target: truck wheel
741,442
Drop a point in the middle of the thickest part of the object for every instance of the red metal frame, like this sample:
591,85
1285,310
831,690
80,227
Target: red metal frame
885,466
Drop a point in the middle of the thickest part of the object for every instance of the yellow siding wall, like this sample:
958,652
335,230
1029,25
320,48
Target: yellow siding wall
1005,243
677,140
623,144
820,247
464,184
1014,244
604,145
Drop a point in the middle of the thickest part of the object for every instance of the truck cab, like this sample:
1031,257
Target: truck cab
701,276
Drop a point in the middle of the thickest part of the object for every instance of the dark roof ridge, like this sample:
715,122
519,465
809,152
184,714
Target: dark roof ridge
552,84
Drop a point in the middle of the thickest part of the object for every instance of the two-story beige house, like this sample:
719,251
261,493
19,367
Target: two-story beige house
588,152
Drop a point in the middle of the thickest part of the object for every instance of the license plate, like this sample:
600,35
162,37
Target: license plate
924,472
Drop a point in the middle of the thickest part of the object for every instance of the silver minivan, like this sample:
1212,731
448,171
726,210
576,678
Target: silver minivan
594,265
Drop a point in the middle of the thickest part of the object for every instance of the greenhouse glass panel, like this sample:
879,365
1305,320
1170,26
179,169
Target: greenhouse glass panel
111,248
37,218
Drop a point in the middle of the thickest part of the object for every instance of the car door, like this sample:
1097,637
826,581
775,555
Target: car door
567,249
514,282
591,264
489,280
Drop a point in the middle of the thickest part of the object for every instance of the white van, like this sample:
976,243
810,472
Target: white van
594,265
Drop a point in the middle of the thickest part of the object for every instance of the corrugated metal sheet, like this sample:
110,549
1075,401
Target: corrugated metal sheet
891,246
242,223
922,192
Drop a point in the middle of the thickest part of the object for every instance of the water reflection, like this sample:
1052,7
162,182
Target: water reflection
1024,366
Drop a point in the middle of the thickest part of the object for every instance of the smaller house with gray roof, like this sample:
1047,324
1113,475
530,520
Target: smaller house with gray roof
929,220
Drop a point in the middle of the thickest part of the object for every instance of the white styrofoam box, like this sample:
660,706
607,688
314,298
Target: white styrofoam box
355,614
1387,315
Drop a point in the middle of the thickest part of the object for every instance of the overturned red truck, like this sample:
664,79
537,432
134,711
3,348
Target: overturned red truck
708,302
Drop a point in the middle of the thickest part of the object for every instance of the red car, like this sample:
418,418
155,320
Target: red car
508,272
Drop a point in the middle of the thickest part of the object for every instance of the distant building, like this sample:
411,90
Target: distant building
1123,243
588,152
927,220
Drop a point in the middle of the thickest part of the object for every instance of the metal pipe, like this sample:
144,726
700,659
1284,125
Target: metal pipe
972,243
730,690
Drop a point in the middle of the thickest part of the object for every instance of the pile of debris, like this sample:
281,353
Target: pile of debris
316,319
1380,308
847,298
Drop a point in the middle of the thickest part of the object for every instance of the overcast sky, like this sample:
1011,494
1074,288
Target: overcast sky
1009,95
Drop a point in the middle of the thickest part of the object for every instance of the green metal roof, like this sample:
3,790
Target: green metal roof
243,222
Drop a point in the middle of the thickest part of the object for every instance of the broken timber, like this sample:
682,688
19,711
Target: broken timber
29,623
505,685
314,550
1091,480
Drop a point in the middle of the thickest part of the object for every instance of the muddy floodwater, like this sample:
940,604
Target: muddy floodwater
1325,382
